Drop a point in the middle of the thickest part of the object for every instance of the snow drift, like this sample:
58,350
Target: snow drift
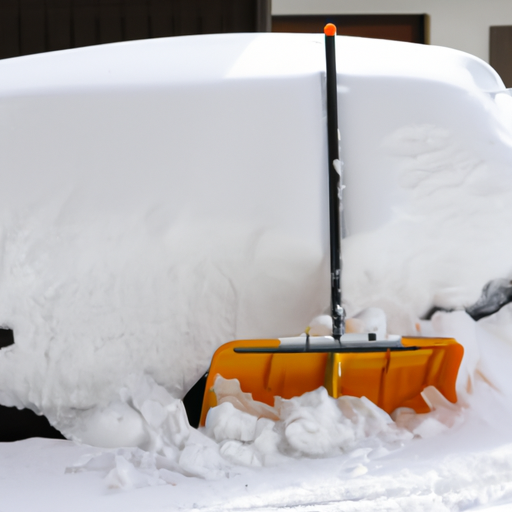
162,197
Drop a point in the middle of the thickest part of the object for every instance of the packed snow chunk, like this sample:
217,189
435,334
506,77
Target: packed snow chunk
133,467
314,426
142,415
240,453
370,420
263,450
226,422
267,442
440,419
101,461
170,445
443,415
429,427
129,474
115,425
165,416
203,460
228,390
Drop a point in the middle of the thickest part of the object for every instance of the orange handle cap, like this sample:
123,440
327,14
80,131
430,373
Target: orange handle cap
330,29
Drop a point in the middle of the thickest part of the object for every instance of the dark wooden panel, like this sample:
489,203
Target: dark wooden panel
58,24
111,22
136,16
210,16
9,29
399,27
161,18
500,52
244,15
187,17
32,27
227,18
85,23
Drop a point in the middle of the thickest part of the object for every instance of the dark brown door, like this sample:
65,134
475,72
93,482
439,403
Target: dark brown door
500,52
399,27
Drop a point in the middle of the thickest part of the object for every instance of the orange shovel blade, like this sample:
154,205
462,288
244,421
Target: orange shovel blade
390,379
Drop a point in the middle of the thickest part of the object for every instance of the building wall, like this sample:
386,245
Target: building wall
460,24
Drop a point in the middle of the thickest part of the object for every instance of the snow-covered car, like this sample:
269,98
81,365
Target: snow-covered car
162,197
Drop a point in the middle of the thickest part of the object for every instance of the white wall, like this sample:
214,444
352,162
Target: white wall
460,24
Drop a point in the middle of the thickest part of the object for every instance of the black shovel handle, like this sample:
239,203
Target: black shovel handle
337,311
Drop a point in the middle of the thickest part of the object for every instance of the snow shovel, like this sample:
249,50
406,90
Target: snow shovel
391,374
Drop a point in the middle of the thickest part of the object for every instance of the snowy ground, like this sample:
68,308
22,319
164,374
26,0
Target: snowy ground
419,478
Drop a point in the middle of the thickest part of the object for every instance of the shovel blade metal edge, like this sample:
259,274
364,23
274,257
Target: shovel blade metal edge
390,379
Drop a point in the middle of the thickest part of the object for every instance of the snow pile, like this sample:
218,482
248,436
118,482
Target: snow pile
242,432
312,425
146,416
